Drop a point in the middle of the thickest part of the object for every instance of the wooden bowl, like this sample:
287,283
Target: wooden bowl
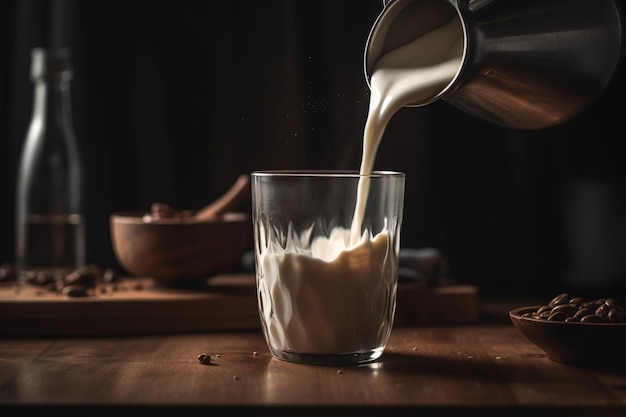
179,252
573,342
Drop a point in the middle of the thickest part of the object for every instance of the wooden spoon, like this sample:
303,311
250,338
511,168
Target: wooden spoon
235,195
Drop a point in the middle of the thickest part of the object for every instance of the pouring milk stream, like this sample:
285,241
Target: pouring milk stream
410,74
326,322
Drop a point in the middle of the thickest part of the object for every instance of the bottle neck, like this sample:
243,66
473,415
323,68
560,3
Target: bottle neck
50,173
52,102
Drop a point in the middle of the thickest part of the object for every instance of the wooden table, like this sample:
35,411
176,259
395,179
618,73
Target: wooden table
483,369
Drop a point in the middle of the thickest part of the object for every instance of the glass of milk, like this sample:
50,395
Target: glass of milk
326,252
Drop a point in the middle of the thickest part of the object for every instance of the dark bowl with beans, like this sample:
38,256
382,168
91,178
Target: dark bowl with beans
574,330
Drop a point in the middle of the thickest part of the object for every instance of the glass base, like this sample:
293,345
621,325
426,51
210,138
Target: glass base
329,358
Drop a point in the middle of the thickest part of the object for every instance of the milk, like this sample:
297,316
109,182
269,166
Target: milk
410,74
328,305
331,299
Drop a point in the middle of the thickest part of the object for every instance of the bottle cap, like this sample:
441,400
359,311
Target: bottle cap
53,63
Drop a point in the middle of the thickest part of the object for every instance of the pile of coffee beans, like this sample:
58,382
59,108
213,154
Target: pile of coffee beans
160,211
81,282
574,309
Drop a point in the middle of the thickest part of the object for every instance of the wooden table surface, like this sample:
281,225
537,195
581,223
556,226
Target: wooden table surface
465,370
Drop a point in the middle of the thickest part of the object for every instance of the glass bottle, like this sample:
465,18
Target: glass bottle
50,222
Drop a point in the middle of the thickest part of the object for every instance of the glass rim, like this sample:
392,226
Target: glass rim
324,173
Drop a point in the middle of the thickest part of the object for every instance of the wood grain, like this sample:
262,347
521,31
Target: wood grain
463,370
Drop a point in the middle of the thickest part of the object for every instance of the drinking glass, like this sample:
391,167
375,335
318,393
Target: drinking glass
326,249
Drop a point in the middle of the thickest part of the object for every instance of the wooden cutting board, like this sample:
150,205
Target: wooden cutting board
228,302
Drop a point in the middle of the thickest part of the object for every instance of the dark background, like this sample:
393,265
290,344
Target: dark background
173,99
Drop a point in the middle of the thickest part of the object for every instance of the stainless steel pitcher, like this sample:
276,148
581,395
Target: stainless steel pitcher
526,64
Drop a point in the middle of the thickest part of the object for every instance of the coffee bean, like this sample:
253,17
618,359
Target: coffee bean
565,309
558,316
161,208
582,312
7,273
86,276
592,318
545,314
204,359
543,309
41,278
576,302
559,299
615,315
602,310
75,290
165,211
